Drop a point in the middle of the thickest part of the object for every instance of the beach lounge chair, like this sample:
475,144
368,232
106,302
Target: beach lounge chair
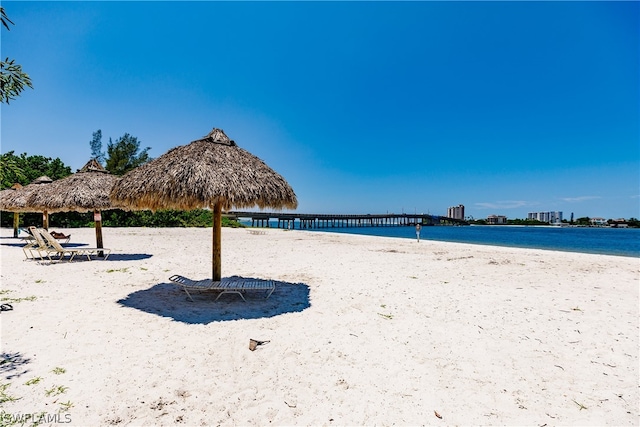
44,247
52,246
225,286
31,242
37,243
28,237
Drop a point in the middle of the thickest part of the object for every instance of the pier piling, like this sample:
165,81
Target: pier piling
317,221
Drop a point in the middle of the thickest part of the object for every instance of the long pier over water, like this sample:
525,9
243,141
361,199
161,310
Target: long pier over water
306,221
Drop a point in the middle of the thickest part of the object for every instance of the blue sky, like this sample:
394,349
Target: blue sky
364,107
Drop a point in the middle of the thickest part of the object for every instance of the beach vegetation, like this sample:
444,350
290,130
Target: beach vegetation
33,381
96,147
56,390
12,79
386,316
585,220
65,406
518,221
24,169
4,396
10,171
164,218
119,218
633,222
479,221
59,371
121,270
14,300
124,154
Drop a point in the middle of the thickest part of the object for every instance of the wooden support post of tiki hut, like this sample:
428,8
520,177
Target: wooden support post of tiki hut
16,223
217,242
45,220
97,219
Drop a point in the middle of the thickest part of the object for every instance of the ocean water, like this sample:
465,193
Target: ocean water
608,241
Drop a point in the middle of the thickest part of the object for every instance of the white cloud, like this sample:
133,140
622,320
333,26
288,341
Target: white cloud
579,199
506,204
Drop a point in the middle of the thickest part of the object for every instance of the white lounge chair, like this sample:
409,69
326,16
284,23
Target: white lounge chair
52,246
28,237
225,286
31,243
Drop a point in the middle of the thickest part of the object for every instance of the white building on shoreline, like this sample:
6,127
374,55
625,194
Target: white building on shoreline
598,222
496,219
550,217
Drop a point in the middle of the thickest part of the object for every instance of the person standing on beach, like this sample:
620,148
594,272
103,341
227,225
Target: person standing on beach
418,227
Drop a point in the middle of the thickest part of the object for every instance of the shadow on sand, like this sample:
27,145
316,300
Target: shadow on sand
127,257
82,258
169,300
15,245
64,245
13,365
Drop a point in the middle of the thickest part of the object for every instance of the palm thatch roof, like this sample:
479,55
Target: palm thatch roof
86,190
16,199
8,192
207,172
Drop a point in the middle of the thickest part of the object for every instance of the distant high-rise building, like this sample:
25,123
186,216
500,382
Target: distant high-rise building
550,217
456,212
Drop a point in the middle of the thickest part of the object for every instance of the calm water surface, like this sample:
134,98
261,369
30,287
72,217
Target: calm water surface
608,241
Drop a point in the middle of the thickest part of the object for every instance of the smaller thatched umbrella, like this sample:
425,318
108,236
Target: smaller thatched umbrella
16,215
84,191
211,172
18,200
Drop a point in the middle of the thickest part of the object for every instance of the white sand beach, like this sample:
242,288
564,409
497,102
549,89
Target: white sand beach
362,331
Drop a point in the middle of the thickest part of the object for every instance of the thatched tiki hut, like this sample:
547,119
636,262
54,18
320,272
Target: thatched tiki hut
84,191
212,172
18,200
16,215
